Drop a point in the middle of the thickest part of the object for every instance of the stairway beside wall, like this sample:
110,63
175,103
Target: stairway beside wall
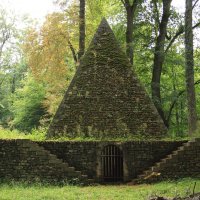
26,160
183,162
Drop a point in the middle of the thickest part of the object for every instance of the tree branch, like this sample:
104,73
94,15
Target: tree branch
176,99
157,13
5,37
127,3
73,51
134,6
178,33
195,4
74,54
123,2
196,25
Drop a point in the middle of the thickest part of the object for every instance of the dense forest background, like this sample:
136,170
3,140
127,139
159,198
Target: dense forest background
37,63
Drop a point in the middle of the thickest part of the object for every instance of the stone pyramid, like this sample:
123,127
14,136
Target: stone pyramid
105,97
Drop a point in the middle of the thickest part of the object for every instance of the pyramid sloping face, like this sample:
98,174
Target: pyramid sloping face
105,97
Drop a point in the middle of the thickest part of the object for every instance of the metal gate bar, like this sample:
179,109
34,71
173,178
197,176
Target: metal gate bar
112,164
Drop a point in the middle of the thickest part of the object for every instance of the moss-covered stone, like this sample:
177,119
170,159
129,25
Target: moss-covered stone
105,97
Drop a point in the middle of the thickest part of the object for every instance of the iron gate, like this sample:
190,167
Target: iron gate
112,164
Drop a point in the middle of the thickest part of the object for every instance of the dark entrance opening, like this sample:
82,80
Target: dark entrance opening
112,164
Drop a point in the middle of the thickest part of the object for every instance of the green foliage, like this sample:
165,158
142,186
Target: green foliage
112,10
11,82
9,55
27,105
8,134
35,134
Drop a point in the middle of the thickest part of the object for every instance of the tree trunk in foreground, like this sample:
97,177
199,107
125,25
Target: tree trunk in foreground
81,29
130,12
159,56
189,68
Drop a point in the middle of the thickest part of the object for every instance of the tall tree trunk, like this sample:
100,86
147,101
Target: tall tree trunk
189,68
174,80
81,29
130,12
159,57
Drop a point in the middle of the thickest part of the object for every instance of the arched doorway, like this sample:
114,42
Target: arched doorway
112,164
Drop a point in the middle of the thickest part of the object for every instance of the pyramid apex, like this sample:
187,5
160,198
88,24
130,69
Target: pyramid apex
103,28
104,21
104,24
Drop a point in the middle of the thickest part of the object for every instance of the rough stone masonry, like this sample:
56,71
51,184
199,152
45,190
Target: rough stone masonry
105,97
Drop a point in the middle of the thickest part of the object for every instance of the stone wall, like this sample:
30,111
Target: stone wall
180,163
54,161
25,160
81,155
85,156
139,156
183,162
9,159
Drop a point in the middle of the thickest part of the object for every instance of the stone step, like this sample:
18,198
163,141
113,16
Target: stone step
64,165
181,148
51,161
141,176
146,172
54,161
153,168
189,143
79,173
170,156
174,153
84,176
72,174
169,159
71,169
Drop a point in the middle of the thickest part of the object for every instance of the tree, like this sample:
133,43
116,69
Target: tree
10,56
49,55
130,11
189,68
164,42
7,29
28,106
81,28
159,56
64,6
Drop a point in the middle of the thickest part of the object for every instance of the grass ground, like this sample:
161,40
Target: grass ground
139,192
